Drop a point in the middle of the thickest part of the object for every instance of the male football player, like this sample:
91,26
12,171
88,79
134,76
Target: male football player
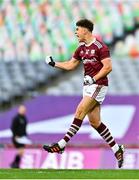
96,59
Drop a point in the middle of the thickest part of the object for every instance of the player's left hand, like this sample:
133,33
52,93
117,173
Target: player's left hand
88,80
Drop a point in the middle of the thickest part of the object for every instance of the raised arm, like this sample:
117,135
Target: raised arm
68,65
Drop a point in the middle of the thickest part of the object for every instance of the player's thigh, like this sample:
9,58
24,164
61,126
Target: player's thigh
94,116
86,104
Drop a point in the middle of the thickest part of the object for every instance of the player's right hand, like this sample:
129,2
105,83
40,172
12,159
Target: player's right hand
88,80
49,60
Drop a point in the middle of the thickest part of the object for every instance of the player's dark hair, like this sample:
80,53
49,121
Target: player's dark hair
86,24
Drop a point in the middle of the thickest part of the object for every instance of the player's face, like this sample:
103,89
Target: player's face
80,33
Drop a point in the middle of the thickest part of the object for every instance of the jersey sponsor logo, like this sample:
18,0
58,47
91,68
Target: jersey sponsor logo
89,60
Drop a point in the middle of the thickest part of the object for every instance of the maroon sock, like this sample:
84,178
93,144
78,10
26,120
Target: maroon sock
75,126
106,135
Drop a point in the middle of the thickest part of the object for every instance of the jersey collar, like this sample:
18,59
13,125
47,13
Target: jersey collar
94,39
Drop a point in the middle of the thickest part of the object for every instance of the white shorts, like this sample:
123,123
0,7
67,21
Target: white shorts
98,92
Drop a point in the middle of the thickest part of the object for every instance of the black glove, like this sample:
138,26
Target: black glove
49,60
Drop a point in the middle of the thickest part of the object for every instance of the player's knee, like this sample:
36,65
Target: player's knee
95,123
80,113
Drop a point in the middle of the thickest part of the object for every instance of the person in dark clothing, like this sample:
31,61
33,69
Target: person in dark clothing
19,135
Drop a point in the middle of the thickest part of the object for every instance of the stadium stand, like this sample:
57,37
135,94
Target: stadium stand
33,29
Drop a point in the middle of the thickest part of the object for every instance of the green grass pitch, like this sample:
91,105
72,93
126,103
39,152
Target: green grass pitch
67,174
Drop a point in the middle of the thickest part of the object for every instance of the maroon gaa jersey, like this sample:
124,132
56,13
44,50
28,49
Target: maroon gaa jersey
91,56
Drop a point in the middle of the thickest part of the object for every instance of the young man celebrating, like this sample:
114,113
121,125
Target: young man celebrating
95,57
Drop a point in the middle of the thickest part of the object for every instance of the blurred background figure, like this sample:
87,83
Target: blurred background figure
19,135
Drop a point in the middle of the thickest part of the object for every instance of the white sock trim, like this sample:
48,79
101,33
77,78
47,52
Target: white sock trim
115,148
75,126
62,143
68,136
104,131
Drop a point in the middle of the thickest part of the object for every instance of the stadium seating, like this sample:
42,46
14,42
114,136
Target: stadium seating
38,26
33,29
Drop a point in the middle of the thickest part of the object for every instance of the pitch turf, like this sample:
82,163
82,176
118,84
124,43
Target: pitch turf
67,174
